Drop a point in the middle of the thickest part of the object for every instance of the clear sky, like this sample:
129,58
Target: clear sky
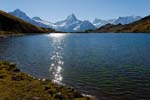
54,10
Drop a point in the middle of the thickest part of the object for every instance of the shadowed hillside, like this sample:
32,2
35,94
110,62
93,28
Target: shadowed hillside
12,25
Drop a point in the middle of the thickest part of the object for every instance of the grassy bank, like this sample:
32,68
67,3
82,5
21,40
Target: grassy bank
16,85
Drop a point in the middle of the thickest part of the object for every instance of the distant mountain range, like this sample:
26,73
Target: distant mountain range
72,24
139,26
10,24
121,20
19,22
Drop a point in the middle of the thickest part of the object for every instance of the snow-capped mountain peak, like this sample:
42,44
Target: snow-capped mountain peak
20,14
72,24
18,11
72,17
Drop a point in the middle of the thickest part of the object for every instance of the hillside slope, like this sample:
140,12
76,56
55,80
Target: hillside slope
12,25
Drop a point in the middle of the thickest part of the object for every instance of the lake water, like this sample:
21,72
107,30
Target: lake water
109,66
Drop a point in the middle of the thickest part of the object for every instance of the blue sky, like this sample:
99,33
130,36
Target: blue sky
54,10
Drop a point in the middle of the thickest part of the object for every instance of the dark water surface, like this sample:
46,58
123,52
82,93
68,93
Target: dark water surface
116,66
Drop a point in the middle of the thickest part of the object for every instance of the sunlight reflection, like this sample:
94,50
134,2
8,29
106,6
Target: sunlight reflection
57,35
56,67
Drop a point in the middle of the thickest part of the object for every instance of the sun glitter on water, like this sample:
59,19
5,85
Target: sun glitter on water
56,67
57,35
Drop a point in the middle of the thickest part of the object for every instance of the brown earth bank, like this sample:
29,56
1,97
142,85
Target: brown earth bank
16,85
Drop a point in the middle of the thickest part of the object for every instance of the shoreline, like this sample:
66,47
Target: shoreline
10,35
24,34
22,85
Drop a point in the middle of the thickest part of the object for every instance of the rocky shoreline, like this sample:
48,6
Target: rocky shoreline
16,85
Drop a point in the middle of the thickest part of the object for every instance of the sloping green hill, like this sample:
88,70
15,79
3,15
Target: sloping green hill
141,26
12,25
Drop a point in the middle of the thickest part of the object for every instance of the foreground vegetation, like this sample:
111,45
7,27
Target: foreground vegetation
16,85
